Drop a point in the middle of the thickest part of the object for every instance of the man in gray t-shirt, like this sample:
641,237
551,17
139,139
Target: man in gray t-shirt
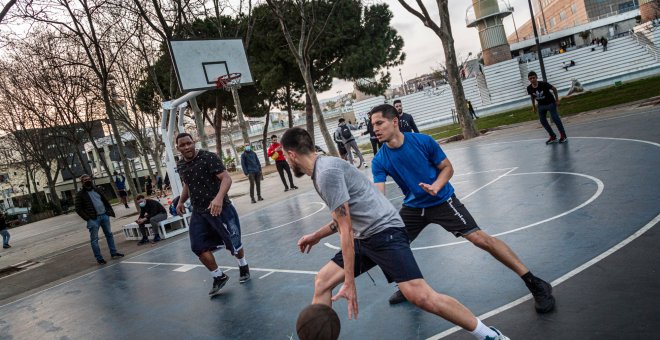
371,234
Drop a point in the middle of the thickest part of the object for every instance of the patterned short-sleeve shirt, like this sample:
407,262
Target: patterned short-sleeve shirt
200,174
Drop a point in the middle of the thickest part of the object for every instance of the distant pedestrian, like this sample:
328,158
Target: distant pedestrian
540,92
336,136
95,209
166,184
275,152
252,169
149,186
406,121
603,42
349,142
214,221
152,212
471,109
375,144
120,183
159,185
4,231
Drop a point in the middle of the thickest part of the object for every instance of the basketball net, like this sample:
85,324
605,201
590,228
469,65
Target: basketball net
229,82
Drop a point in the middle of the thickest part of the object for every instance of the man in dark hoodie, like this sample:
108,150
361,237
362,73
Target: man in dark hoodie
95,209
252,169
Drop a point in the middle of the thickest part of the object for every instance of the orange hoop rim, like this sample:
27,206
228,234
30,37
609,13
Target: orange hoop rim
228,80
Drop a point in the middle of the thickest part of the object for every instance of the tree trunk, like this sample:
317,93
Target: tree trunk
309,85
53,193
309,116
104,164
264,139
289,109
217,124
464,118
199,123
239,114
120,143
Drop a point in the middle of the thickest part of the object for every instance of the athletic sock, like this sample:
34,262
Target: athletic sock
242,262
482,331
528,277
217,272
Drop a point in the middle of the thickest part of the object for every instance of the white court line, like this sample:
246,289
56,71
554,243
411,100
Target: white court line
569,139
285,224
265,275
561,279
225,268
489,183
184,268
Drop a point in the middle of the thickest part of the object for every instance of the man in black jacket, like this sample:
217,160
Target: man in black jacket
95,209
252,169
406,121
151,212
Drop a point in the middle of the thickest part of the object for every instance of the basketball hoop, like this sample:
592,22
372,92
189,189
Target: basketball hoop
229,81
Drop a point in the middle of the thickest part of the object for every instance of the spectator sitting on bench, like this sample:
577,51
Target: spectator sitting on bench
567,65
152,212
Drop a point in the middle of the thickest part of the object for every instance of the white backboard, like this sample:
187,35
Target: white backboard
198,63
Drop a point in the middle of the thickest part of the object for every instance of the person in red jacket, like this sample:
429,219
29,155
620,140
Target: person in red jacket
275,152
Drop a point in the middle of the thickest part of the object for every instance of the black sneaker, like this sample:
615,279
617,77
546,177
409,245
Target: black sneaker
563,139
218,283
101,261
143,241
157,238
499,336
286,189
6,246
551,140
245,274
260,198
397,298
117,255
293,187
253,201
544,302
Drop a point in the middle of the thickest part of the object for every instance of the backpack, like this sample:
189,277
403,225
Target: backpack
346,132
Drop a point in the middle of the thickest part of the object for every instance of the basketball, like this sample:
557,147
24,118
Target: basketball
275,155
318,322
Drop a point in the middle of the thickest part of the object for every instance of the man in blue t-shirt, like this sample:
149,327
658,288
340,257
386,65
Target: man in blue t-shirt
422,171
120,183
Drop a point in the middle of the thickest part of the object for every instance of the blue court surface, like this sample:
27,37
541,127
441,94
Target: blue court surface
561,208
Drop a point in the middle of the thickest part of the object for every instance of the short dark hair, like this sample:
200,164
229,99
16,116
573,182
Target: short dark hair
139,197
398,101
273,136
183,135
115,173
341,120
531,73
298,140
388,111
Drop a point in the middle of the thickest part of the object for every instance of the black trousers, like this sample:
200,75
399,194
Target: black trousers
255,178
375,145
281,167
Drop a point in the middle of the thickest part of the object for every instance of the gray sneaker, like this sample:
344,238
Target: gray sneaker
218,283
397,298
245,274
499,336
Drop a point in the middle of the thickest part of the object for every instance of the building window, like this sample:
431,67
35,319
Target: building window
562,16
552,22
573,9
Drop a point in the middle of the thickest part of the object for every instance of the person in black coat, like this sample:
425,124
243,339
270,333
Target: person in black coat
252,169
95,209
152,212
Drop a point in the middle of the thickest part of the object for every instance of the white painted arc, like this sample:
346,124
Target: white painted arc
561,279
285,224
179,265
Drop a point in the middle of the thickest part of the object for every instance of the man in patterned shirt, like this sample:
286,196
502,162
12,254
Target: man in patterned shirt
214,220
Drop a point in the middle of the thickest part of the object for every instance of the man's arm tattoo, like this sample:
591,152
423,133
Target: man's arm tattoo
341,211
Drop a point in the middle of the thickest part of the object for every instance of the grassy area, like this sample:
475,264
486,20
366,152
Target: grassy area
606,97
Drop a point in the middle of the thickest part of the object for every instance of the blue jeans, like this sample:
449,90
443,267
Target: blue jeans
5,237
543,110
102,221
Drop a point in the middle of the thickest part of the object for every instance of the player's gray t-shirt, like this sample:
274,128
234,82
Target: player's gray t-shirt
338,182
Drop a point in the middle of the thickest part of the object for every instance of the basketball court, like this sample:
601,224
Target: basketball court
563,208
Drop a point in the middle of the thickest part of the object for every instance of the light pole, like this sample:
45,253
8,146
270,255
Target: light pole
405,91
538,45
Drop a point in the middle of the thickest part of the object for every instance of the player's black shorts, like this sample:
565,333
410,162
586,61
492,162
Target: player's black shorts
389,250
451,215
122,193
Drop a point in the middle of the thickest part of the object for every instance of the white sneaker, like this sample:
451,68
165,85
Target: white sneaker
499,336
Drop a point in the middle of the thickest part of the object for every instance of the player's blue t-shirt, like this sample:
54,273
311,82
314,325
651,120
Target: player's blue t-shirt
414,162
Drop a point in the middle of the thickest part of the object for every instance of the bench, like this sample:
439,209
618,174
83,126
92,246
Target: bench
172,226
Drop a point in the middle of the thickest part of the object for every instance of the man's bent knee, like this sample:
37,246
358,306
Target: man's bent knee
481,239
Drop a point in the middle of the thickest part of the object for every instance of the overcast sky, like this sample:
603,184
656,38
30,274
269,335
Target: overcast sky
423,48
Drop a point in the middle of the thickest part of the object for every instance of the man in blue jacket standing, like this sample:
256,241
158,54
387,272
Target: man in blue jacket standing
252,169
